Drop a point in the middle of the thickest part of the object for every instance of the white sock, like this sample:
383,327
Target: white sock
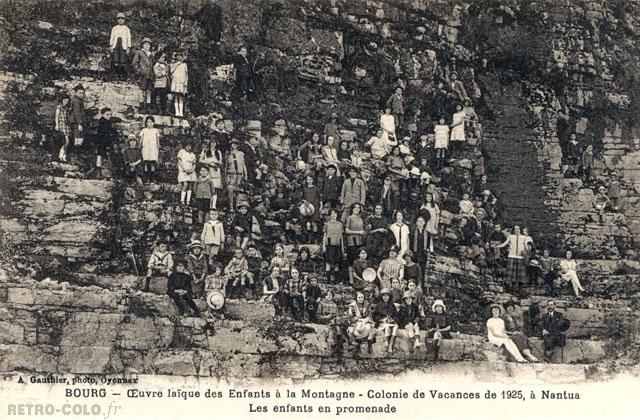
214,201
188,196
183,194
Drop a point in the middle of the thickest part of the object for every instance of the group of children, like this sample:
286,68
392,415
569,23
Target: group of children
157,77
328,185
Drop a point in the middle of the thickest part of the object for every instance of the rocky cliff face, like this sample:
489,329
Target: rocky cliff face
544,70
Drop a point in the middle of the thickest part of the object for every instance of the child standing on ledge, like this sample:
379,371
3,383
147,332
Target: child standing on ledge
179,82
150,142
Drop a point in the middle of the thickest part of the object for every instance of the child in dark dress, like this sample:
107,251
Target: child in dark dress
106,136
179,289
133,160
312,297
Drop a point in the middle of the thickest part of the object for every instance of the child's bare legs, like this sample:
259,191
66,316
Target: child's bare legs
185,194
150,168
231,203
99,160
145,99
178,104
214,199
62,155
211,254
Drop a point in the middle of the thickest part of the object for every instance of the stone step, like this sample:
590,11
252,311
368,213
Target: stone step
95,188
73,232
163,120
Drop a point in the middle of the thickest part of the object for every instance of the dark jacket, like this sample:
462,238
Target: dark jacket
210,17
243,68
383,310
408,314
331,188
550,322
389,203
574,153
314,293
143,65
179,281
106,135
418,241
77,114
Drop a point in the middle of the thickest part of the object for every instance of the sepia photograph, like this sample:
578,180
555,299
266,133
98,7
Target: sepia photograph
265,208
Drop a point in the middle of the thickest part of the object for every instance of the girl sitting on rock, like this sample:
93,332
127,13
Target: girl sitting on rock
160,263
240,279
215,281
410,318
569,273
385,315
438,326
498,336
360,323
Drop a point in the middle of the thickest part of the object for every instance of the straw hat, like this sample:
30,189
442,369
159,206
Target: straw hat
385,291
407,295
495,305
369,275
242,204
146,40
361,330
215,300
307,209
195,244
563,324
438,302
120,15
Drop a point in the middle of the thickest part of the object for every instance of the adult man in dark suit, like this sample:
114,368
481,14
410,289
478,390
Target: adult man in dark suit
243,72
252,156
331,187
387,197
553,326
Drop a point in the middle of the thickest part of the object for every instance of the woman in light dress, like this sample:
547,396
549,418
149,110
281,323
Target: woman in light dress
497,334
568,272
